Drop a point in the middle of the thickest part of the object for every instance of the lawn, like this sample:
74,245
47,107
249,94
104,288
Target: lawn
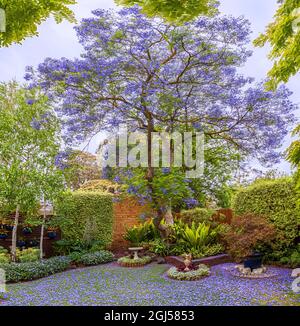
110,284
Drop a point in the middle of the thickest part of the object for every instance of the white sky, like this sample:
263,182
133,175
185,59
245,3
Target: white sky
60,41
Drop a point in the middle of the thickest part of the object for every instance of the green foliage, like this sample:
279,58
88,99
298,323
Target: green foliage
142,233
201,240
285,42
28,255
292,258
17,272
73,216
102,185
293,156
174,10
29,137
293,152
65,247
4,258
127,260
96,258
197,215
23,17
81,167
160,247
276,200
192,275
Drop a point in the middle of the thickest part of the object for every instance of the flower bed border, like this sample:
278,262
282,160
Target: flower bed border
203,271
139,263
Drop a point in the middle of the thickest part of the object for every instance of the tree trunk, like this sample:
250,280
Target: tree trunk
169,216
14,235
42,232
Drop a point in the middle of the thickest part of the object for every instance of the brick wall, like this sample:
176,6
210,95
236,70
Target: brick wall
126,215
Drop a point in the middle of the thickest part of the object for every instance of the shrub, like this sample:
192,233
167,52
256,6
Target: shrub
160,247
207,251
3,250
4,258
96,258
16,272
127,261
247,233
74,214
28,255
197,215
192,275
276,200
291,257
142,233
201,240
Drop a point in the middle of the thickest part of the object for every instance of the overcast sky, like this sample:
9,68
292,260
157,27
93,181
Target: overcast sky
60,41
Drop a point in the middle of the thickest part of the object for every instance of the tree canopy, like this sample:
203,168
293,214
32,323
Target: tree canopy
174,11
283,34
156,77
24,16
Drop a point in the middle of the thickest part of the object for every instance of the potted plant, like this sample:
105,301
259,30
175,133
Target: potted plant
21,243
245,235
27,230
3,234
52,233
32,243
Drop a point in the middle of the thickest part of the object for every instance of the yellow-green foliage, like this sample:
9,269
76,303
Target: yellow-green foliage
75,211
28,255
276,200
102,185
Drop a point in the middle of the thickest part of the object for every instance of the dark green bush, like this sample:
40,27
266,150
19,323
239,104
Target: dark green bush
16,272
291,257
96,258
276,200
84,217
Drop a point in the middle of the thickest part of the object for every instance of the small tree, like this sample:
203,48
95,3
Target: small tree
80,168
28,138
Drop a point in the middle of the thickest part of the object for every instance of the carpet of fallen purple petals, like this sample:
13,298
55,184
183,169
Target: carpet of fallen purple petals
111,284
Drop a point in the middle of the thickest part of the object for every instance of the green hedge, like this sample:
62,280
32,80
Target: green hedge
84,216
275,199
17,272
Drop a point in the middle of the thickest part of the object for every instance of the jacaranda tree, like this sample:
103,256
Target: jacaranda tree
159,77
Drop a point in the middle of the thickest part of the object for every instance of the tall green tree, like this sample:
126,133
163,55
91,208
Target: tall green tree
283,34
24,16
174,11
29,143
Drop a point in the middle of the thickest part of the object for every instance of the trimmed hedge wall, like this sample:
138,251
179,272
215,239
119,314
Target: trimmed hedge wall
79,213
275,199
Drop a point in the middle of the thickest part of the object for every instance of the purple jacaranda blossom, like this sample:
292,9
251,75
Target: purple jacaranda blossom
128,71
